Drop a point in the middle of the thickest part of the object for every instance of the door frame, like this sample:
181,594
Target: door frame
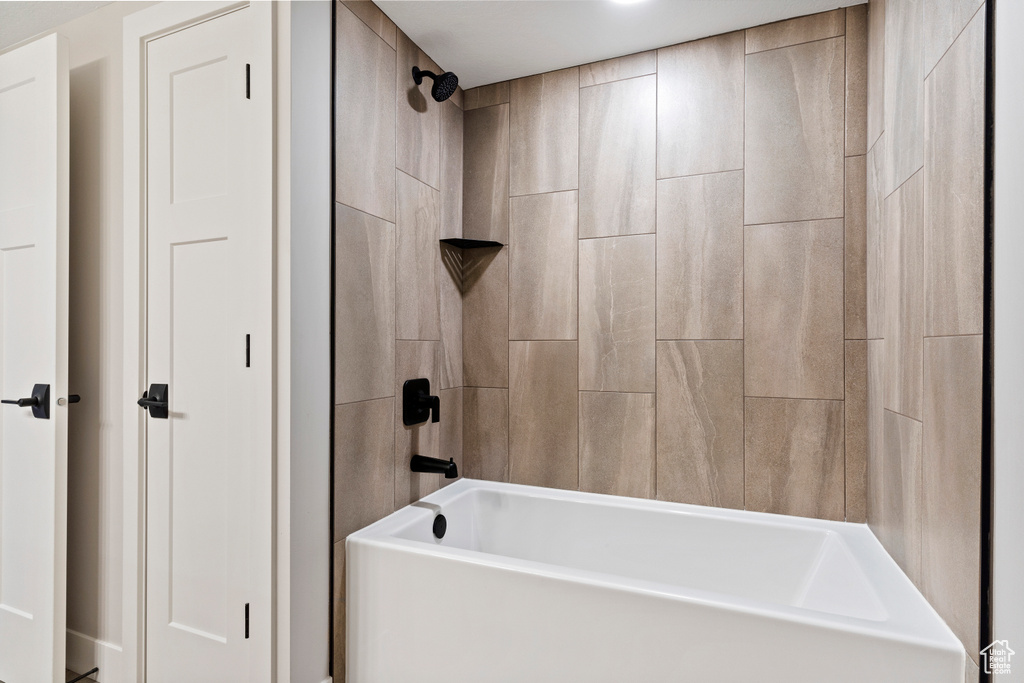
140,28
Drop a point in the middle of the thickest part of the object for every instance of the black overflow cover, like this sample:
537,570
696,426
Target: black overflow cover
440,526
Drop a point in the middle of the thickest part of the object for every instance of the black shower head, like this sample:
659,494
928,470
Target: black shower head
444,85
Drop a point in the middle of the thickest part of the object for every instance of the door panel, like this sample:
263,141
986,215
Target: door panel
33,350
201,537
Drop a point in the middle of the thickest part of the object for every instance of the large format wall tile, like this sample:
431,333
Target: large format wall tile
875,257
794,140
486,95
700,257
449,280
365,126
951,535
451,170
485,433
943,22
419,116
485,318
899,527
619,68
542,253
800,30
543,132
904,304
364,336
793,310
700,422
617,443
414,359
616,301
543,446
875,484
371,15
617,157
485,179
954,169
855,250
855,406
451,430
793,457
903,75
364,458
856,79
875,78
700,106
418,260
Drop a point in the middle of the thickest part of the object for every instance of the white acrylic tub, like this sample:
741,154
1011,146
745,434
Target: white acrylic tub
534,584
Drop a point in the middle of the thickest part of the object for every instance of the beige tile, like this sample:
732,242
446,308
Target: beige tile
700,106
450,304
414,359
619,68
451,170
458,97
617,443
700,422
617,157
954,184
899,527
486,96
485,179
856,79
371,15
971,672
418,260
793,457
485,433
855,407
904,91
951,535
875,257
794,148
419,116
700,257
543,444
364,334
943,22
793,31
451,430
339,615
365,126
542,253
544,132
485,318
793,310
876,72
855,249
904,305
875,484
617,314
364,460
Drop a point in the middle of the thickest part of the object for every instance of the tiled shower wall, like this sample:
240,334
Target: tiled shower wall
680,312
398,310
925,228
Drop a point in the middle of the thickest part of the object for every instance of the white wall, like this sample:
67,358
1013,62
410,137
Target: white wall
1008,273
309,473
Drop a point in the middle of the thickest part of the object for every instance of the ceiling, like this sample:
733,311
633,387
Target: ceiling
22,20
485,41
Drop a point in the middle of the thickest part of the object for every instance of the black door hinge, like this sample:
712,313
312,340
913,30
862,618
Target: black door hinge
247,82
246,621
247,351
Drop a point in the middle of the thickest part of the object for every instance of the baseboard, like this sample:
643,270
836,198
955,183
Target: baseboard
85,652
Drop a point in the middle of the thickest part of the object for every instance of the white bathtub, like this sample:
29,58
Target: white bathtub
532,584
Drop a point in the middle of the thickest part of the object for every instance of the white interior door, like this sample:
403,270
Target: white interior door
33,351
208,513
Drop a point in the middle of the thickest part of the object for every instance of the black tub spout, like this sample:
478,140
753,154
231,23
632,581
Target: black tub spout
421,463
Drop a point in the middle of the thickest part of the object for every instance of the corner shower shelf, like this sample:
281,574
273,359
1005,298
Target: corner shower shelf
460,243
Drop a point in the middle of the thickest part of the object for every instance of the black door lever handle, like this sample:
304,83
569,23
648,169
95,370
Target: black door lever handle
155,401
39,401
31,401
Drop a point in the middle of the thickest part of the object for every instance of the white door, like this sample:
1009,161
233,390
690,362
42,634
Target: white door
33,351
208,570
